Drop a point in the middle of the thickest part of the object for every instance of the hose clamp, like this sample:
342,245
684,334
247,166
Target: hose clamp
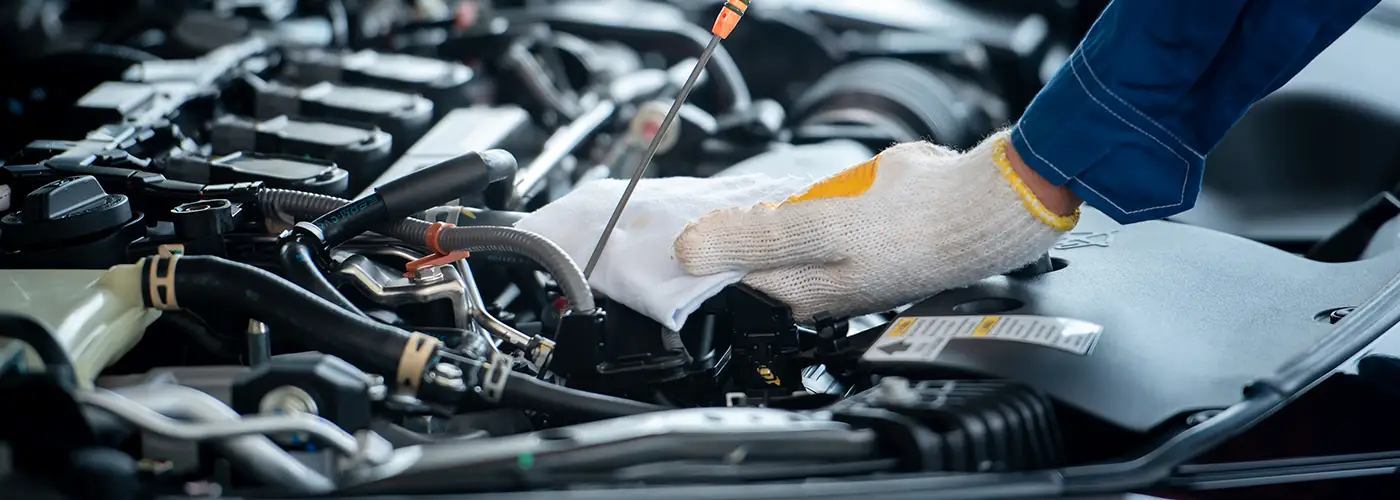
493,382
413,362
308,229
430,239
160,281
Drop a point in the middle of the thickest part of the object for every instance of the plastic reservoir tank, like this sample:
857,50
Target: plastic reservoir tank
94,316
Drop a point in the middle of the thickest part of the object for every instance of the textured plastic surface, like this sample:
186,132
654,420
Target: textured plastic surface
461,131
96,316
983,426
445,83
1190,315
404,116
281,171
360,149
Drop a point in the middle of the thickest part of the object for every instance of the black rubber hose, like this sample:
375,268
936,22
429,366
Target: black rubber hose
351,219
292,206
484,239
297,260
533,246
212,282
526,392
423,189
54,357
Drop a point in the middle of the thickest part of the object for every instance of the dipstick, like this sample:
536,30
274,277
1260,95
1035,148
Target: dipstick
729,17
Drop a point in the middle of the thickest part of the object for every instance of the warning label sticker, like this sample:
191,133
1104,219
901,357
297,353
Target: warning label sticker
923,338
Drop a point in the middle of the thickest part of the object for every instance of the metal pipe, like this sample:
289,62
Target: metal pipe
477,306
531,178
254,454
127,407
537,80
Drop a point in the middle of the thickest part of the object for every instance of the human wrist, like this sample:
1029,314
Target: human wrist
1060,214
1058,199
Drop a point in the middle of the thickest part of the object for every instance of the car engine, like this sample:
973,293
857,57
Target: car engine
266,248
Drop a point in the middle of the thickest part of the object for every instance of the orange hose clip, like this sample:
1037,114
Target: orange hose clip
438,256
729,17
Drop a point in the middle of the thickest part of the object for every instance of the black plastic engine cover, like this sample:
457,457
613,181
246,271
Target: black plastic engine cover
1190,316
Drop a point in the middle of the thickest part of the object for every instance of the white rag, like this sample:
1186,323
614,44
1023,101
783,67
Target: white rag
638,267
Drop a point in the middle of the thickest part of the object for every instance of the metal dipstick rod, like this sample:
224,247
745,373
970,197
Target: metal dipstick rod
729,16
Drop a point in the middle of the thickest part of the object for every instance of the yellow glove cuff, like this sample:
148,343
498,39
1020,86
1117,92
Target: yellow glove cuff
1062,223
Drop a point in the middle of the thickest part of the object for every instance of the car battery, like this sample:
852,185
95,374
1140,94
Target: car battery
360,149
447,84
405,116
273,170
477,128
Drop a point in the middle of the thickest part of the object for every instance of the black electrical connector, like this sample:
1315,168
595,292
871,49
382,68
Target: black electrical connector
765,344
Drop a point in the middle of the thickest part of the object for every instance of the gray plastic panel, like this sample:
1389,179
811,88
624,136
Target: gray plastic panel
1190,317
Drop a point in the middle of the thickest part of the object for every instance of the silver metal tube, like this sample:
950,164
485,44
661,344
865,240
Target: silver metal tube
255,454
127,408
560,145
477,306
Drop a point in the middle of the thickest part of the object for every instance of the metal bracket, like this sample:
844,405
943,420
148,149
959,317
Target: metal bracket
387,287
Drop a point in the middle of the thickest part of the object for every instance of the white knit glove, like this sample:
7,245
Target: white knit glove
915,220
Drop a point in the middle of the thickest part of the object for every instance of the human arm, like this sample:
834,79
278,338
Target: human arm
1127,122
1124,126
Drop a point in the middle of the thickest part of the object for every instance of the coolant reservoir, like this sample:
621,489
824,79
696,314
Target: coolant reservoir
95,316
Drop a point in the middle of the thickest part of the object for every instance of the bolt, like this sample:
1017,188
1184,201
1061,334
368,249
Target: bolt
447,375
287,399
428,274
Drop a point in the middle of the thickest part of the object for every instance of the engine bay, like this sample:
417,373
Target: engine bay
267,249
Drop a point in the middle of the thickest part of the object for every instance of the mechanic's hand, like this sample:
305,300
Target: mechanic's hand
915,220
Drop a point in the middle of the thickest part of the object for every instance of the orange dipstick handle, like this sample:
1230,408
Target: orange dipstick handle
729,17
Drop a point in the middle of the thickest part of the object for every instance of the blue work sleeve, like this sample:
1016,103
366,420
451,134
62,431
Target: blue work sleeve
1127,121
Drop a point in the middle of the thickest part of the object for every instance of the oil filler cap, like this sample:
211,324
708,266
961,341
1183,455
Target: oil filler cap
65,209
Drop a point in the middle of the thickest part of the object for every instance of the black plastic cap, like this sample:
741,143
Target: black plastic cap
64,209
500,164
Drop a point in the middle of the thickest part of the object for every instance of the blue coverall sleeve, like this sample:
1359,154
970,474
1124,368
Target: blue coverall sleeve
1127,121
